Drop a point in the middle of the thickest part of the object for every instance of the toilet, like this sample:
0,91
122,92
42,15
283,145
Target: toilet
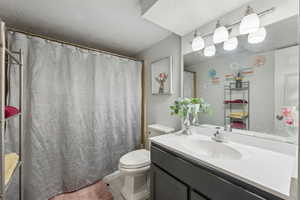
135,167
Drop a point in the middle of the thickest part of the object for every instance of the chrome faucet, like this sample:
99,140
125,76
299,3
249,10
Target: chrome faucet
218,135
228,128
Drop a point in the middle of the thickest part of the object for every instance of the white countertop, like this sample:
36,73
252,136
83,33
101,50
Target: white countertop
268,170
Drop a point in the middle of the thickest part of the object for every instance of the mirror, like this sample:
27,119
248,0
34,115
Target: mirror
253,87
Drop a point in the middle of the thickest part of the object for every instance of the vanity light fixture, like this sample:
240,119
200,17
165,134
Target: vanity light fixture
221,34
198,42
250,22
230,44
258,36
210,51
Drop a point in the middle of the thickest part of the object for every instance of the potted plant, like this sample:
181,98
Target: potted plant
188,109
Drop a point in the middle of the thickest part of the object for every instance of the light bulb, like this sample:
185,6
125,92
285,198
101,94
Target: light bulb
231,44
210,51
258,36
220,35
198,43
249,24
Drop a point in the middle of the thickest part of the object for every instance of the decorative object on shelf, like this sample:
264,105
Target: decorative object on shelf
289,116
238,80
237,74
250,24
161,72
189,110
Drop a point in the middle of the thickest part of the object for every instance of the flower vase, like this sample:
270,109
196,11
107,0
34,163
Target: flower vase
187,126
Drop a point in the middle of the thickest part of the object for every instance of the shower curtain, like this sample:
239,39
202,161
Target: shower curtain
82,113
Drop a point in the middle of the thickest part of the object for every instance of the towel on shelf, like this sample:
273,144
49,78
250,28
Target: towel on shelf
10,111
11,161
238,125
238,115
236,101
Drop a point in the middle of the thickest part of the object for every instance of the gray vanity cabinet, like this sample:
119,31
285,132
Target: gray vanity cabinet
195,196
174,177
167,187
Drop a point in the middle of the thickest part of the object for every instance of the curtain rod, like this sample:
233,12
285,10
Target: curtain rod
70,43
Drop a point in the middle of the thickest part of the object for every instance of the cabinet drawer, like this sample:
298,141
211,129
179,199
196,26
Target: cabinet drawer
164,186
199,178
195,196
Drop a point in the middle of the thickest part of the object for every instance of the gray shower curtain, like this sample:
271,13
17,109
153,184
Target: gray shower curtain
82,113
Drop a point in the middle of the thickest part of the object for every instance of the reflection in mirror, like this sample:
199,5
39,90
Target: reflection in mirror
255,86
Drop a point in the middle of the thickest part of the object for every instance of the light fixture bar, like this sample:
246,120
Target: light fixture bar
230,26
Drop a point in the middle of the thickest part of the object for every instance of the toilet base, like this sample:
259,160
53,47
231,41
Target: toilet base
136,187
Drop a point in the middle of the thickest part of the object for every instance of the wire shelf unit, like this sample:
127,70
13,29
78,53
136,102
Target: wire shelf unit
231,93
9,59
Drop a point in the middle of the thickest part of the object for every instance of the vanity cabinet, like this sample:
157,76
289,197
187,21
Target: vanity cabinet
166,186
174,177
195,196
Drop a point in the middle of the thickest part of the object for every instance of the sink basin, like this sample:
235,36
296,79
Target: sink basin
211,149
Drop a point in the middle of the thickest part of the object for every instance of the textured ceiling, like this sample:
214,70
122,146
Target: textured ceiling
114,25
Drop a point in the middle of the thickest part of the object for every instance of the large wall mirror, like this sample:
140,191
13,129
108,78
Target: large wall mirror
250,81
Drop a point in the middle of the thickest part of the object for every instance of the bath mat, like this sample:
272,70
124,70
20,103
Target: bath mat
97,191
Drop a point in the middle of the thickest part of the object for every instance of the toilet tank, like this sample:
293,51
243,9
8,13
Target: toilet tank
158,129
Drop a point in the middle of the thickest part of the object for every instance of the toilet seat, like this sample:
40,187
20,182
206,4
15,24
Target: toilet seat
135,159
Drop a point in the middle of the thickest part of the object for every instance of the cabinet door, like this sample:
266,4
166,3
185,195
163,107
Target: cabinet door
195,196
165,187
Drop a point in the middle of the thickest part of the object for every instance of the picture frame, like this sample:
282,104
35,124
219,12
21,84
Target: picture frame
161,76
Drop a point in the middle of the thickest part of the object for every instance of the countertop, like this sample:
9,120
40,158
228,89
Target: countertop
268,170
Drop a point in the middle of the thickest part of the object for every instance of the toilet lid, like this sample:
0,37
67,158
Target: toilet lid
135,159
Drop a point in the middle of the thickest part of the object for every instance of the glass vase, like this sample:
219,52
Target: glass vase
187,125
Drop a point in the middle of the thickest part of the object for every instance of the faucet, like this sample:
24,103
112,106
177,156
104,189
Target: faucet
218,135
227,127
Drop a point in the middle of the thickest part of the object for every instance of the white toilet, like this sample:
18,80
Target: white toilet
135,166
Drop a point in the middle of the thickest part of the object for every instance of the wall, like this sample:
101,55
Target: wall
261,89
158,105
